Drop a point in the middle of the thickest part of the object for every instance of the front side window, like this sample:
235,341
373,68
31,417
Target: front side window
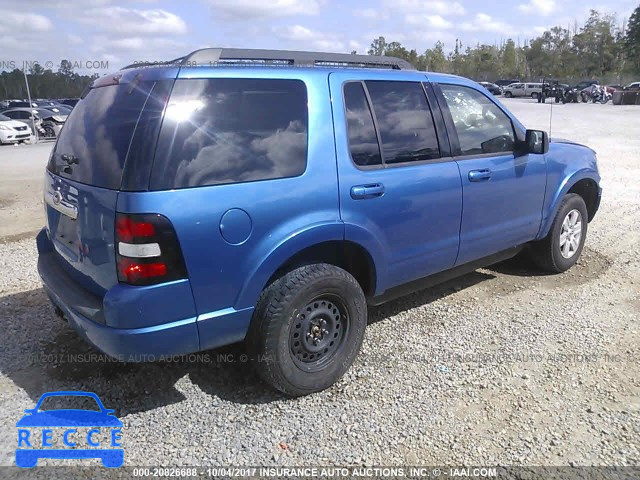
230,130
404,120
481,126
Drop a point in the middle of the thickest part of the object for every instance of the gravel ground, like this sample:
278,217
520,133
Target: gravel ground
502,366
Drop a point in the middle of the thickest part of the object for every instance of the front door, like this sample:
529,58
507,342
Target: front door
398,196
503,192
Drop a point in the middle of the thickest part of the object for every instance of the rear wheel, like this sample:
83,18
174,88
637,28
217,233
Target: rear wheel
562,247
534,95
307,329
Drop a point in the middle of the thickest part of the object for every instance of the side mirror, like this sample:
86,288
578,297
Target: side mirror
537,141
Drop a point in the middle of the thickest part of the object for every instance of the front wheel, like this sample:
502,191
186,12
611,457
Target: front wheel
49,132
307,329
508,94
561,248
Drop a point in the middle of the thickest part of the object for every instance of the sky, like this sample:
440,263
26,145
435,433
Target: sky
99,36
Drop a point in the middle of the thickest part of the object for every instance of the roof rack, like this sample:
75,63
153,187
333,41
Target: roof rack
258,57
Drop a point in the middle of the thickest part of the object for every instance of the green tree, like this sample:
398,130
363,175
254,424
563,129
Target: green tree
632,41
378,46
435,60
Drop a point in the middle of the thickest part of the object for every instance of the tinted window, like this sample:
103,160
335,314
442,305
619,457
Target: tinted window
98,132
363,142
224,130
16,114
404,121
481,126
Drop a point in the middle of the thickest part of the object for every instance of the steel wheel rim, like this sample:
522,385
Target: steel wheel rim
318,332
570,234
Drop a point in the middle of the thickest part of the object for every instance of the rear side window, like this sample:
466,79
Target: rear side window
230,130
93,145
363,142
404,121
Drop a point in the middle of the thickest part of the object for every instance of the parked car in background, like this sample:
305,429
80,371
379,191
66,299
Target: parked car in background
492,87
52,121
533,90
71,102
580,86
633,86
28,116
362,208
21,104
505,82
13,131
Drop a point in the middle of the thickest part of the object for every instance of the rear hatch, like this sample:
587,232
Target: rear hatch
110,135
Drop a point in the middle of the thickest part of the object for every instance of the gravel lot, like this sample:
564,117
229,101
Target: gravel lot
502,366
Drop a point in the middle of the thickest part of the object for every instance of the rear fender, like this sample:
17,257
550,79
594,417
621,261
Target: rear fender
273,257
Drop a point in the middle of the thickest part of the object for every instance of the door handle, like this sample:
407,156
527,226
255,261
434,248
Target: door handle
479,175
372,190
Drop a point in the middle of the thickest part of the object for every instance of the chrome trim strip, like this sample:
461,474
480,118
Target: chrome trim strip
61,205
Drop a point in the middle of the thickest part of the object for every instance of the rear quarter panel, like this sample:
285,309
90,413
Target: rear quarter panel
287,215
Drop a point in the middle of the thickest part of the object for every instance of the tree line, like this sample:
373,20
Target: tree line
600,49
64,83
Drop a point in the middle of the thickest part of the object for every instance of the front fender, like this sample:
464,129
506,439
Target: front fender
561,190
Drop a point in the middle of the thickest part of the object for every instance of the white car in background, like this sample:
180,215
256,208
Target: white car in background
13,131
533,90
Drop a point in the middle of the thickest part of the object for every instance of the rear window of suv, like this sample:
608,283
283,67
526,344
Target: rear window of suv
94,143
229,130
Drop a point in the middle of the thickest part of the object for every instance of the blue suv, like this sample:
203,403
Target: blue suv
270,196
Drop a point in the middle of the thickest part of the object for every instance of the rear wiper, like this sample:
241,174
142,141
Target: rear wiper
69,159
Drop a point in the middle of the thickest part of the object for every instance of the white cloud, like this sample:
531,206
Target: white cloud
127,20
434,21
485,23
307,38
24,22
251,9
371,13
429,7
540,7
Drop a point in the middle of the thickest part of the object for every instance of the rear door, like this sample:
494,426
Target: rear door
503,191
84,174
397,182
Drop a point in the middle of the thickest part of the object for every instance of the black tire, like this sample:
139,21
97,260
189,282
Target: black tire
547,253
307,329
508,94
535,95
49,132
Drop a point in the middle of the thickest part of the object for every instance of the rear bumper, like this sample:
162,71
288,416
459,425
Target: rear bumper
87,314
131,344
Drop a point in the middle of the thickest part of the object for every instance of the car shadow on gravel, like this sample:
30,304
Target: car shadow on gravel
427,296
41,353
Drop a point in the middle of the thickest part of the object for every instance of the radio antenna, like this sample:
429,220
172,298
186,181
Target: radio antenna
550,118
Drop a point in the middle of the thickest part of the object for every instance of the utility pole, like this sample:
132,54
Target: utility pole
33,120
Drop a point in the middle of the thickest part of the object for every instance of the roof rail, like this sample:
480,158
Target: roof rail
254,57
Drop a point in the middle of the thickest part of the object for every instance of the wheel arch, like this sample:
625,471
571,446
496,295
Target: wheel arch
321,244
584,183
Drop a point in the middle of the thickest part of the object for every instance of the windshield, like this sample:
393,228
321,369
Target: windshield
67,402
4,118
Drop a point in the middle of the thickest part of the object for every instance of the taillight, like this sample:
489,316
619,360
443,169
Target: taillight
147,250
